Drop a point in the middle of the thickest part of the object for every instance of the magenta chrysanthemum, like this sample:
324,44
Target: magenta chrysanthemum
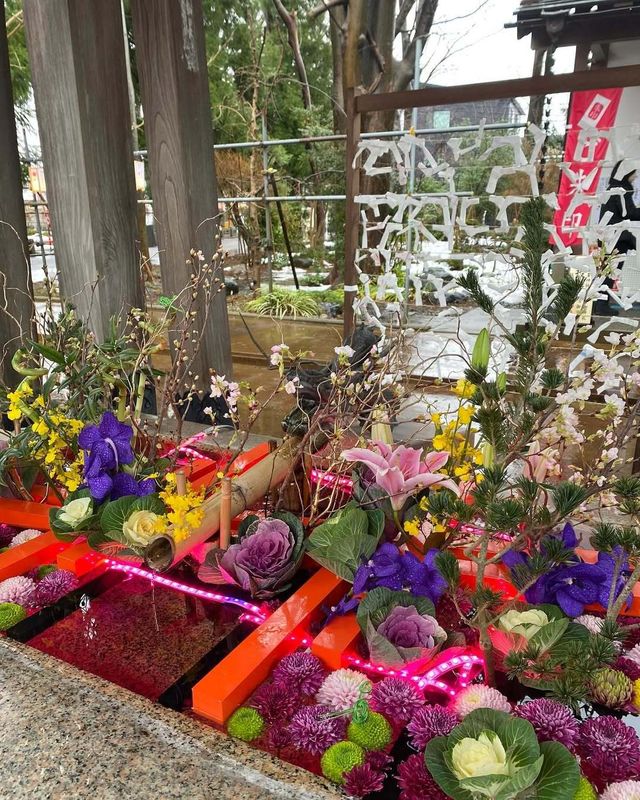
363,780
54,586
415,781
276,703
303,671
627,790
429,722
396,698
7,532
630,668
479,696
378,760
19,590
24,536
278,737
552,721
313,729
341,689
609,749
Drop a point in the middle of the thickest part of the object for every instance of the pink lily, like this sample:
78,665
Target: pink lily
398,471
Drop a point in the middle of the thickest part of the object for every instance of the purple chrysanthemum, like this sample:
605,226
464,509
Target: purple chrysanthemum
429,722
378,760
24,536
609,749
54,586
275,702
396,698
19,590
363,780
415,781
630,668
7,532
312,729
278,737
552,721
303,671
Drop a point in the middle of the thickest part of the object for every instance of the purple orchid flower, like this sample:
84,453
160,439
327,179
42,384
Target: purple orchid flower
124,485
571,587
610,564
568,538
399,471
423,577
107,446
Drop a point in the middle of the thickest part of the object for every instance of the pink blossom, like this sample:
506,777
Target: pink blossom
399,471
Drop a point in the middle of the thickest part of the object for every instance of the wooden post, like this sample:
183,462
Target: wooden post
16,303
352,218
76,52
171,59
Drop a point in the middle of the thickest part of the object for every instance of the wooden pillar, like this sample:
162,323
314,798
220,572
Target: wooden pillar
76,51
16,303
352,217
171,60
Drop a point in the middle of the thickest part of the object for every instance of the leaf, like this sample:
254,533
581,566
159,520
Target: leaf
434,757
342,542
560,773
381,651
548,635
379,601
526,776
48,352
210,572
244,528
117,512
496,787
521,742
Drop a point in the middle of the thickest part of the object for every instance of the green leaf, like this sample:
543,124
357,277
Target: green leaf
48,352
560,773
434,757
381,651
117,512
495,787
379,601
244,528
481,351
547,636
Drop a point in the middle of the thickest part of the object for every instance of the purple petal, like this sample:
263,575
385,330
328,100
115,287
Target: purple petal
570,606
100,486
88,435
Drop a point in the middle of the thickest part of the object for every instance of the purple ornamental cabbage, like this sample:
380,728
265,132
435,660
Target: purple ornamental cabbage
263,562
406,627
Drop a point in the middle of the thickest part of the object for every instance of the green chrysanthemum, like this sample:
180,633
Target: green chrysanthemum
45,569
245,724
611,687
372,734
585,790
339,759
10,614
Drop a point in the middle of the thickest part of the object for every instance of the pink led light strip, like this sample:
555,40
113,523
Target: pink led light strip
252,613
329,479
465,663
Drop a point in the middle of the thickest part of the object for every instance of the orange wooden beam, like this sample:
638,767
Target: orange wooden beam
24,514
41,550
79,558
229,684
336,639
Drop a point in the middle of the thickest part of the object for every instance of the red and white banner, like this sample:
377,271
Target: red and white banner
592,109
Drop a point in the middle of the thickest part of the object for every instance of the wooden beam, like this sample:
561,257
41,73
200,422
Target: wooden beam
518,87
76,51
171,59
16,303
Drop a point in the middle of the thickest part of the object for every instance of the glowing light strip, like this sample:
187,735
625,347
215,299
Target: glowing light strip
251,610
329,479
431,679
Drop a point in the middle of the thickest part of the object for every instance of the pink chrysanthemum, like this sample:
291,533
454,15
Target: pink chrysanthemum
19,590
341,689
634,654
609,751
24,536
552,721
396,698
313,729
630,668
429,722
7,532
592,623
304,671
415,781
275,702
363,780
627,790
479,696
54,586
278,737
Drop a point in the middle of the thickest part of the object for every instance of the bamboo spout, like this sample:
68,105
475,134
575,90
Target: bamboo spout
163,552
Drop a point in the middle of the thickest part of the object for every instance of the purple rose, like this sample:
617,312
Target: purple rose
406,627
262,562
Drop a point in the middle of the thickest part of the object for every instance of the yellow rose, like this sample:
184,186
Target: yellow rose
526,623
140,527
76,511
485,755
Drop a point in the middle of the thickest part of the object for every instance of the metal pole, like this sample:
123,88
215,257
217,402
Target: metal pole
267,210
412,173
35,199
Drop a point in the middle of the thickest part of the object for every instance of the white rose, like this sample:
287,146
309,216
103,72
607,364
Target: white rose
140,527
485,755
76,512
526,623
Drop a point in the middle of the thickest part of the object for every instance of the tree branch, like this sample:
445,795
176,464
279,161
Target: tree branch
424,20
325,5
401,16
291,25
